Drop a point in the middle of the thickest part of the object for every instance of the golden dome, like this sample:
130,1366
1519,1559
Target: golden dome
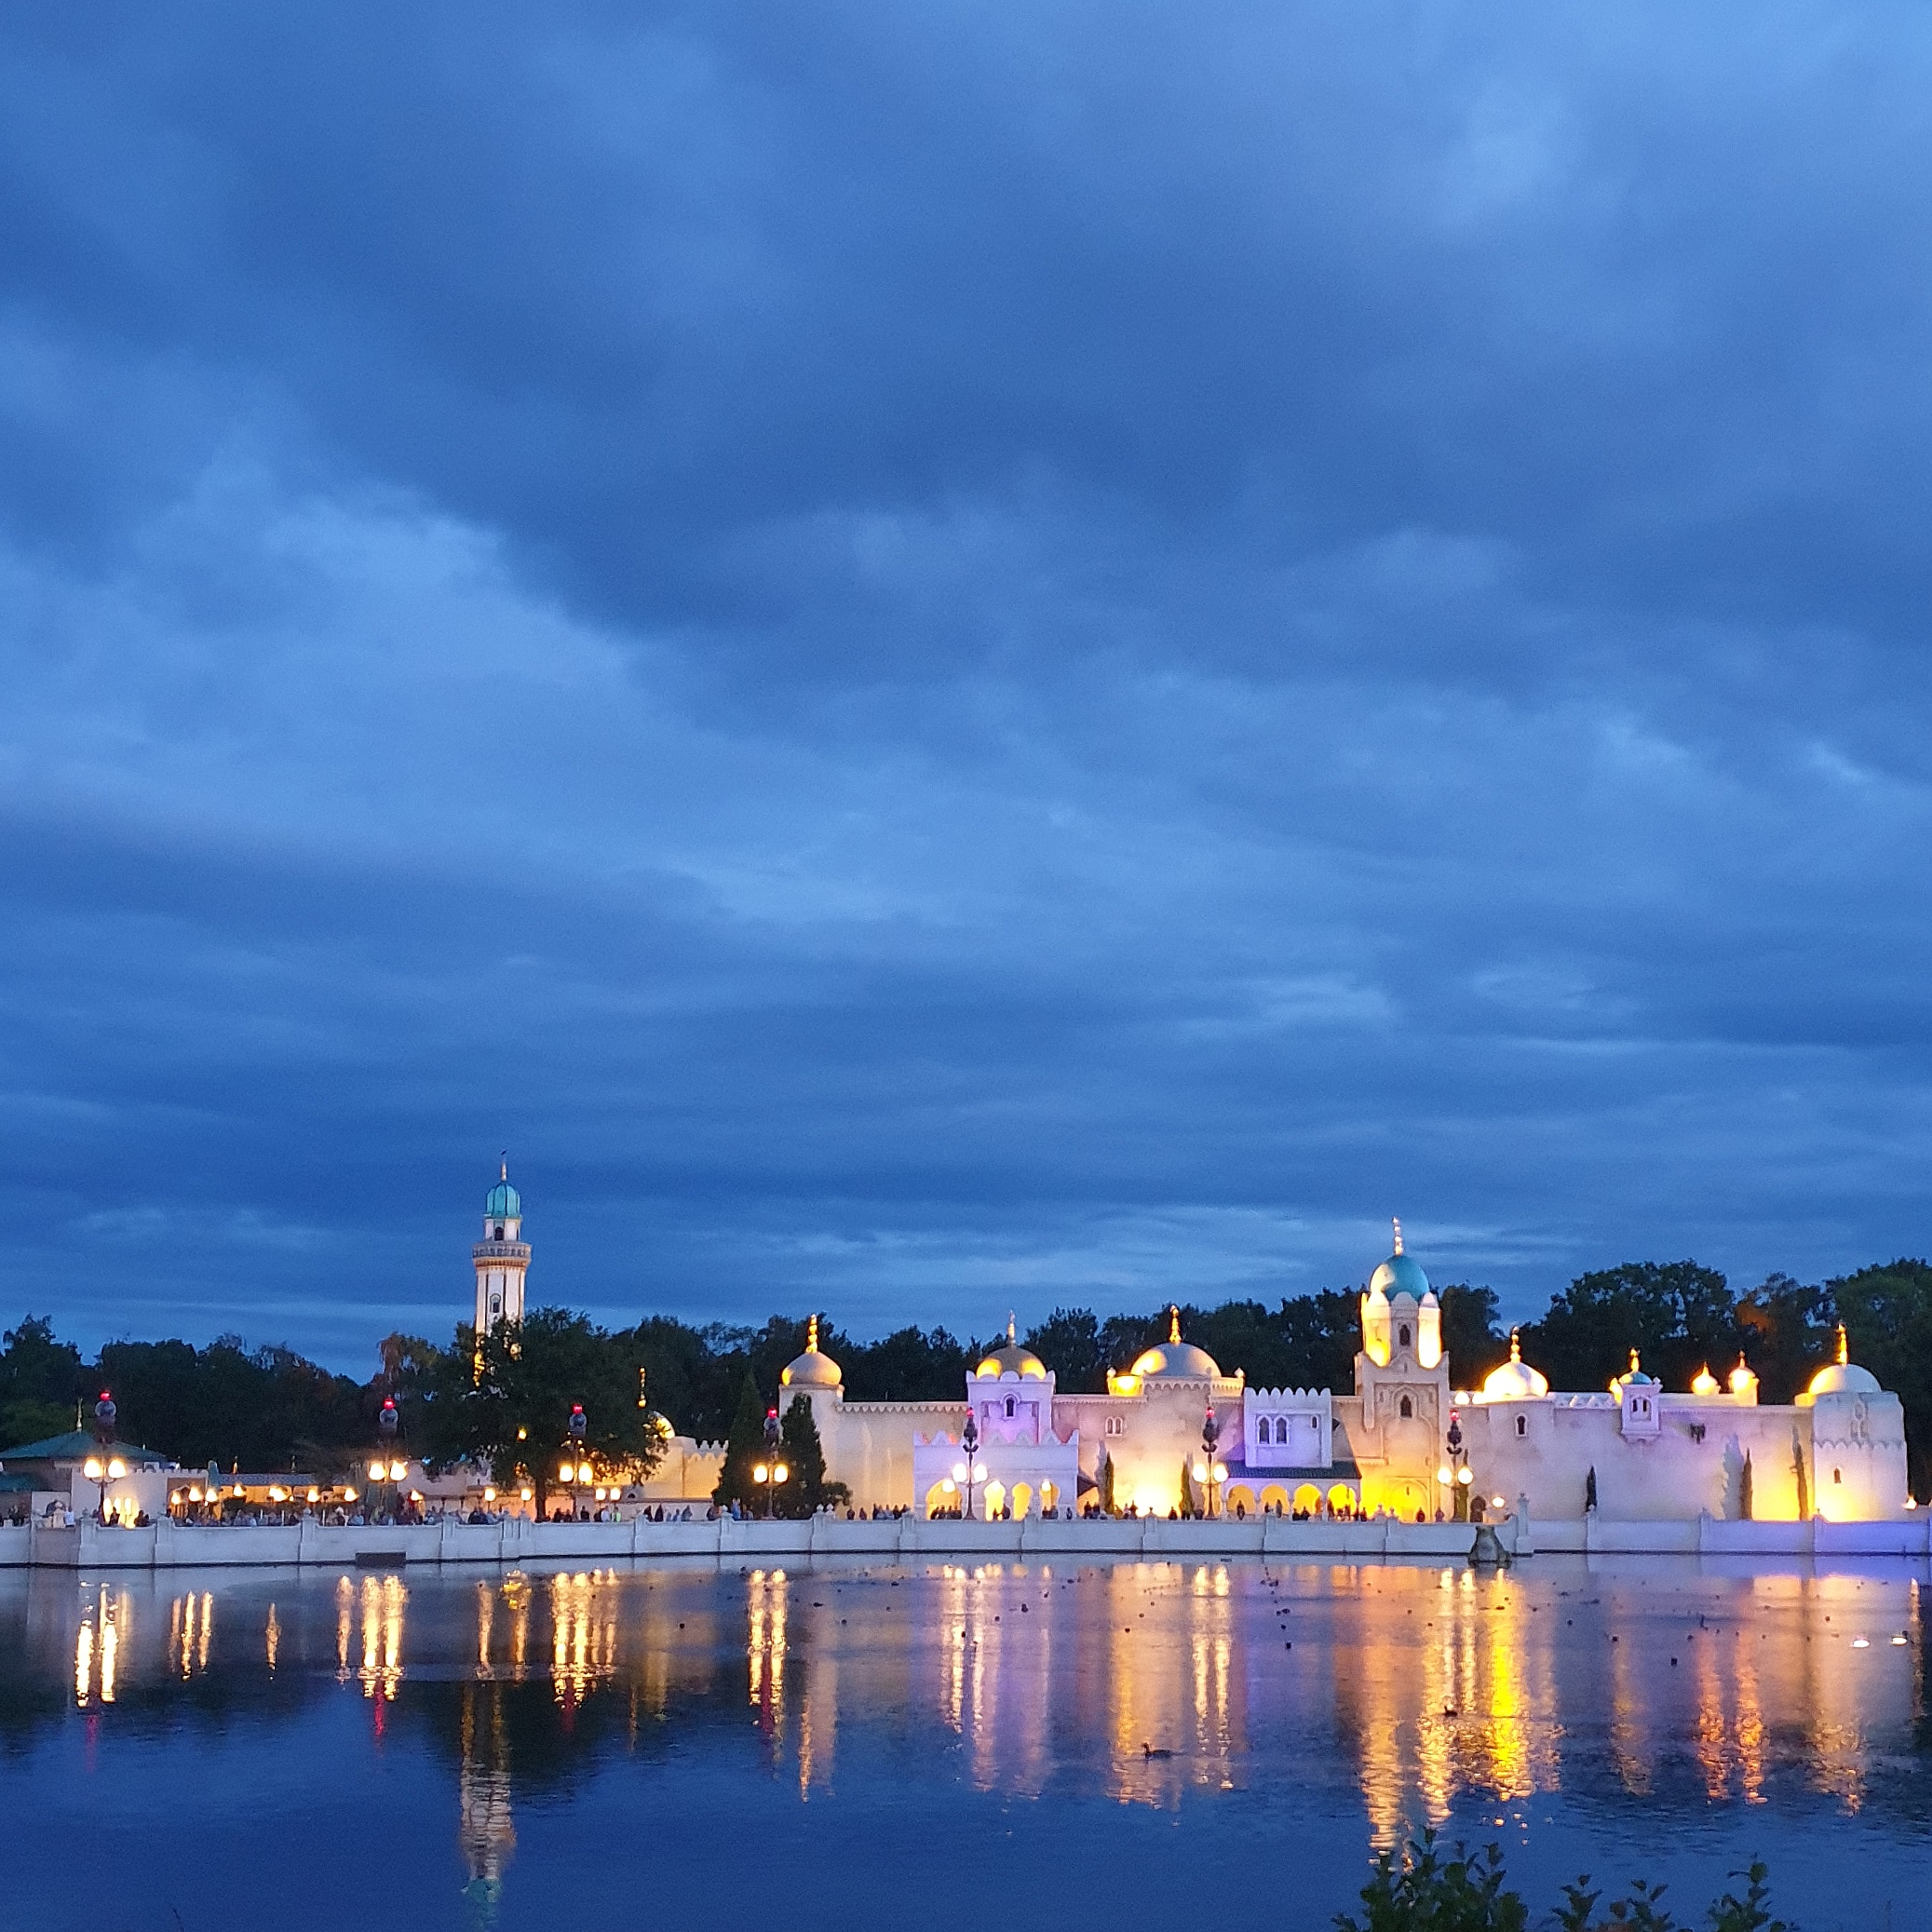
1515,1381
811,1369
1704,1383
1175,1360
1013,1359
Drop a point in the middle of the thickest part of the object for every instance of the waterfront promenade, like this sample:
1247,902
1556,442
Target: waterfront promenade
518,1540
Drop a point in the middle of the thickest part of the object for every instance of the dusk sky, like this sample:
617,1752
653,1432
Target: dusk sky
943,658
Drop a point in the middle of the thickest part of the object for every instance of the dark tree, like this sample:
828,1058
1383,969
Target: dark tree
1473,1338
805,1487
1069,1342
40,1380
1886,1310
1321,1335
907,1366
1787,1336
1123,1336
506,1400
744,1449
1679,1317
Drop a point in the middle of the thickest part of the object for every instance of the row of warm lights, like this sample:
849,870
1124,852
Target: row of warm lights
1205,1472
574,1472
380,1471
94,1469
777,1472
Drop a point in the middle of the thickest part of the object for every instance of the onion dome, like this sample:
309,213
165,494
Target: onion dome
503,1202
1743,1381
1844,1377
1632,1377
811,1369
1400,1275
1704,1383
1515,1381
1175,1360
1012,1360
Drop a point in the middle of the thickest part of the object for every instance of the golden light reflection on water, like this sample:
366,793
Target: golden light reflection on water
1423,1696
765,1649
384,1601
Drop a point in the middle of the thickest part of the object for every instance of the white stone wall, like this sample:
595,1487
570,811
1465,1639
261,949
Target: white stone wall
1674,1476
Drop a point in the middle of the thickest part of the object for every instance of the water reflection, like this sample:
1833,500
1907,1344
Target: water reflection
1396,1698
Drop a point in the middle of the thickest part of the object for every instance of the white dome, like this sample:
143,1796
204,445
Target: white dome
1175,1360
811,1369
1844,1377
1515,1381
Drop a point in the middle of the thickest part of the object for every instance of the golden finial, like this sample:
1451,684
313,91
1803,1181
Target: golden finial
1173,1322
1844,1356
1516,1346
1633,1361
502,1166
811,1334
1397,1219
1011,1337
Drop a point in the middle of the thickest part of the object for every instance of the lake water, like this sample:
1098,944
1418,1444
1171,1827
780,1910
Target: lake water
863,1745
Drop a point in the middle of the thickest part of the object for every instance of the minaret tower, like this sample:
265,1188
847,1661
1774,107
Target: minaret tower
500,1257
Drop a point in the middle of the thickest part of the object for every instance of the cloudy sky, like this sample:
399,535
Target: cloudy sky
952,657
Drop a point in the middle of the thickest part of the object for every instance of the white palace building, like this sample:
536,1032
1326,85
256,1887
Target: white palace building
1403,1443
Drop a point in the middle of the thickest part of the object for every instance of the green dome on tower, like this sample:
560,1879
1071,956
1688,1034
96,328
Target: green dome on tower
503,1202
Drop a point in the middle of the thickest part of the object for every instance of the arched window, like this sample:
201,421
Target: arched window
1009,1405
1837,1475
1522,1425
1281,1428
499,1234
1402,1334
1408,1407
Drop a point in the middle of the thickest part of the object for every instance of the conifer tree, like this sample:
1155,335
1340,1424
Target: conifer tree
805,1487
744,1449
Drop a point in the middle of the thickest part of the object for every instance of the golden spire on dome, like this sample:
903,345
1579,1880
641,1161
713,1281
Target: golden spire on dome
1011,1337
1173,1322
1843,1355
1516,1346
502,1166
1397,1220
811,1334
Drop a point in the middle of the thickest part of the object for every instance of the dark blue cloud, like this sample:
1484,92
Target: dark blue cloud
951,659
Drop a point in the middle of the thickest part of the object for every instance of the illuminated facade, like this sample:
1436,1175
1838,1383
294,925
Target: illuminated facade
1402,1443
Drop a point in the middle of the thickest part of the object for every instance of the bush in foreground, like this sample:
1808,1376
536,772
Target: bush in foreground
1464,1891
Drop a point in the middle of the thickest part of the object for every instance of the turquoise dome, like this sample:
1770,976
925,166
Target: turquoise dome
1400,1275
503,1202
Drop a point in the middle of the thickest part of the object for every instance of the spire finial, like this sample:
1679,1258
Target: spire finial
811,1334
1516,1346
1843,1356
1397,1219
503,1168
1633,1361
1011,1337
1173,1322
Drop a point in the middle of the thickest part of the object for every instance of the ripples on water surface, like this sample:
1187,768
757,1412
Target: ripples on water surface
850,1747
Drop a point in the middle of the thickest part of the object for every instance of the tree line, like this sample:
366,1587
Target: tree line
509,1396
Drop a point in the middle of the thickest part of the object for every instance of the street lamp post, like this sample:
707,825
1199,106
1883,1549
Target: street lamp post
103,1466
972,1471
1208,1472
1459,1469
577,1469
771,1472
